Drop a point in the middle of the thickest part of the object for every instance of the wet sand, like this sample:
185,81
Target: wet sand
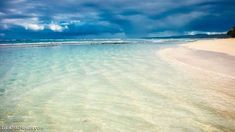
210,63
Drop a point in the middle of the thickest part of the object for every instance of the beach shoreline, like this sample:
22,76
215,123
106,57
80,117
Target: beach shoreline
208,62
216,56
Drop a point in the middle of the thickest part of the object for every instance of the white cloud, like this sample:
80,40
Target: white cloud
202,32
55,27
2,14
32,26
28,24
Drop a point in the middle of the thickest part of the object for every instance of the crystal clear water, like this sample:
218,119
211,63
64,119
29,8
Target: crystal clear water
108,87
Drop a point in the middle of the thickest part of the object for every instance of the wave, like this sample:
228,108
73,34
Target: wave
51,43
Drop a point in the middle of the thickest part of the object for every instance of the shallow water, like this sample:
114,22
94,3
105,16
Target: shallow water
107,87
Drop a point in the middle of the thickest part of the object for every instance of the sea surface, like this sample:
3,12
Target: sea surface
106,85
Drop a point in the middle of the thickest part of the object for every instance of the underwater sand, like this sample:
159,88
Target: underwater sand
110,87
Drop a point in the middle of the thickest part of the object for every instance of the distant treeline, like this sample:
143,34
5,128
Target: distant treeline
231,32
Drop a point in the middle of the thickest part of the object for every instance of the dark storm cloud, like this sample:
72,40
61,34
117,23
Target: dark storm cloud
119,18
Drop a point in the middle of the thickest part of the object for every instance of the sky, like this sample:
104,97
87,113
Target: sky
49,19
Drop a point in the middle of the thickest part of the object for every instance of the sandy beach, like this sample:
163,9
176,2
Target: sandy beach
208,62
225,46
216,56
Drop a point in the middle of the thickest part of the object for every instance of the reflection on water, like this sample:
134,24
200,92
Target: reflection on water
107,88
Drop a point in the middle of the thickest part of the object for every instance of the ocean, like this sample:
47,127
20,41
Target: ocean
103,85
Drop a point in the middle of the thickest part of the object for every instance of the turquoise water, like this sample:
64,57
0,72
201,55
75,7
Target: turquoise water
105,87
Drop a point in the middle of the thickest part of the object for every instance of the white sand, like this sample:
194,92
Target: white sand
208,62
226,46
216,56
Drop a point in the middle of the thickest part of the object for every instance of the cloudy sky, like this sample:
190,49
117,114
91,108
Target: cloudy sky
113,18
